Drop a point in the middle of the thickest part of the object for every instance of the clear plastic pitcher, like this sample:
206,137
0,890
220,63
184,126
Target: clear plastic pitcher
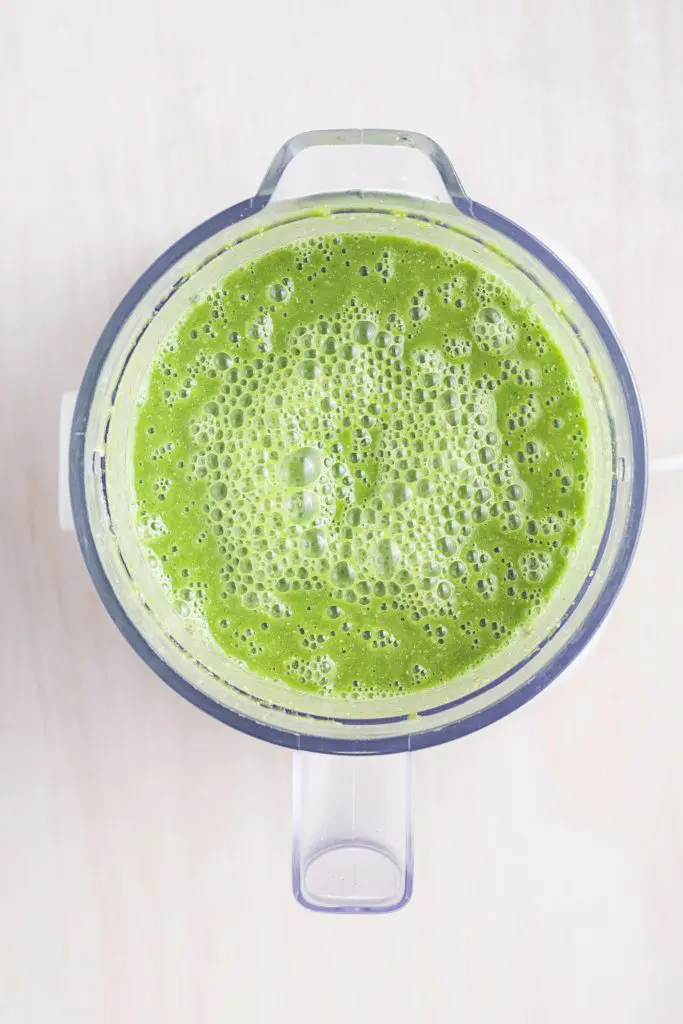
352,847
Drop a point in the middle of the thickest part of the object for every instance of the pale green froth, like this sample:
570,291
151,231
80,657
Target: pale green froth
370,463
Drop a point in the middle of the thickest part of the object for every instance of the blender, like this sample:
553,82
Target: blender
352,841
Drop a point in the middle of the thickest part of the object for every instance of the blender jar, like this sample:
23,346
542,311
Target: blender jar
352,846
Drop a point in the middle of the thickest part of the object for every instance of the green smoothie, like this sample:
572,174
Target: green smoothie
361,463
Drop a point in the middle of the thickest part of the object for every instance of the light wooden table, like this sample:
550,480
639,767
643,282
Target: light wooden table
144,848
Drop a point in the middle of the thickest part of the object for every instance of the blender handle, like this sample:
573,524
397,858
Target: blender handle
424,169
353,832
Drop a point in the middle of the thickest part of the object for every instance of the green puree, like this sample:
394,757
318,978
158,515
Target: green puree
362,463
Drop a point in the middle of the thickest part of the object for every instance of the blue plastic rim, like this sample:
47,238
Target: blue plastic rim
428,736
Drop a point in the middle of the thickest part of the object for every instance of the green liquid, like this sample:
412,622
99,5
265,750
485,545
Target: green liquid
362,464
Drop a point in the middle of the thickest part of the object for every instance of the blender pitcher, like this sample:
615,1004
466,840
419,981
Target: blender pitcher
352,845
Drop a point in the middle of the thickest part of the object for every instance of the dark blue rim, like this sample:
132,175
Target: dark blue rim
382,745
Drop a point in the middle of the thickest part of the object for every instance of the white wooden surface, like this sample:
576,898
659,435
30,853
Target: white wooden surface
144,848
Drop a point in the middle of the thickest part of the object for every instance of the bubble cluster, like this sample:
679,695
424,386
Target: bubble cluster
365,444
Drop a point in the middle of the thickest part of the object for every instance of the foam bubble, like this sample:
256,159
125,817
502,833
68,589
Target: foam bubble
301,468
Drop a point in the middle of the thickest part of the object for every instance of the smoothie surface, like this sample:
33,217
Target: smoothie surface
361,463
